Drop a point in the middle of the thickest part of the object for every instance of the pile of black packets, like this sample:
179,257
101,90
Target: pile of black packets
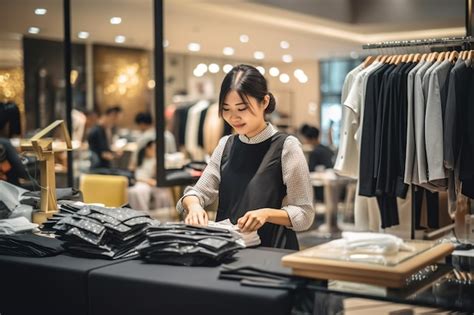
98,232
181,244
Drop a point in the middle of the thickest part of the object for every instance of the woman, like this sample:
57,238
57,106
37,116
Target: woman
260,175
144,195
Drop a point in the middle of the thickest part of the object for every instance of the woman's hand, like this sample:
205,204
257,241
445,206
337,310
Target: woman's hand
253,220
196,216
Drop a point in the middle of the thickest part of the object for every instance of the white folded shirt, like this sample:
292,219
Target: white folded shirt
248,239
16,225
371,243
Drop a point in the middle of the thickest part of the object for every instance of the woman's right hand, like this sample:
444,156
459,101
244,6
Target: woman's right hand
196,216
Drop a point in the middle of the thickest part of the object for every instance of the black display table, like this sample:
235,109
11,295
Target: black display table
51,285
135,287
72,285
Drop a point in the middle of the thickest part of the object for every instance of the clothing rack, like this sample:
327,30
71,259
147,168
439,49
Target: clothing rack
463,42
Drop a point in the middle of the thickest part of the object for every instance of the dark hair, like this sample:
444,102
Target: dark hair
309,132
113,110
143,118
141,153
246,81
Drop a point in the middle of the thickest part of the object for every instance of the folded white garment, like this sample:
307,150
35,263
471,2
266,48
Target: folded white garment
371,243
16,225
247,239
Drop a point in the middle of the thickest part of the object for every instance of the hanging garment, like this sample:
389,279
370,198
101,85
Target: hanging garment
346,160
192,130
213,128
410,146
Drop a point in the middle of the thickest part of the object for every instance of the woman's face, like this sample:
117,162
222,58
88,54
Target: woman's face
150,151
247,119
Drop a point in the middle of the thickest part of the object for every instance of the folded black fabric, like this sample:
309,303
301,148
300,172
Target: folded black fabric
181,244
29,245
98,232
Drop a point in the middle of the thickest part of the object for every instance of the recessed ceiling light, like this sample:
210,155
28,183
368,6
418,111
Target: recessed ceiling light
116,20
197,73
33,30
83,35
151,84
284,78
287,58
274,71
214,68
40,11
166,43
244,38
194,47
228,51
300,76
120,39
284,44
261,70
202,67
227,68
303,79
259,55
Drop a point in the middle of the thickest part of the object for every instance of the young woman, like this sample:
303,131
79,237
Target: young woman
144,195
259,175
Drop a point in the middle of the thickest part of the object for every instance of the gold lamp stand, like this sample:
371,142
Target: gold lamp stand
43,149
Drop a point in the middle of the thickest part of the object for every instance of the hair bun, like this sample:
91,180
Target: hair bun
271,104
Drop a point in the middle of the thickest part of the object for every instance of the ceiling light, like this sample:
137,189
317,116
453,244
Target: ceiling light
202,67
116,20
151,84
228,51
83,35
120,39
214,68
298,73
284,44
287,58
198,73
194,47
33,30
303,79
261,70
40,11
227,68
259,55
300,76
166,43
284,78
274,71
354,55
244,38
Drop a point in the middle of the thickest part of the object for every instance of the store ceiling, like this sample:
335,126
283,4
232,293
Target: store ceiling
314,29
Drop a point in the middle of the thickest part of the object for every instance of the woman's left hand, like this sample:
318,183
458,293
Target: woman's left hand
253,220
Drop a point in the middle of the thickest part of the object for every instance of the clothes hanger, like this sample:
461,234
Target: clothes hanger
417,57
453,56
405,58
441,56
368,61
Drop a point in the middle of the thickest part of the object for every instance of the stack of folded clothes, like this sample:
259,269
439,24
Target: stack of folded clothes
98,232
29,245
181,244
